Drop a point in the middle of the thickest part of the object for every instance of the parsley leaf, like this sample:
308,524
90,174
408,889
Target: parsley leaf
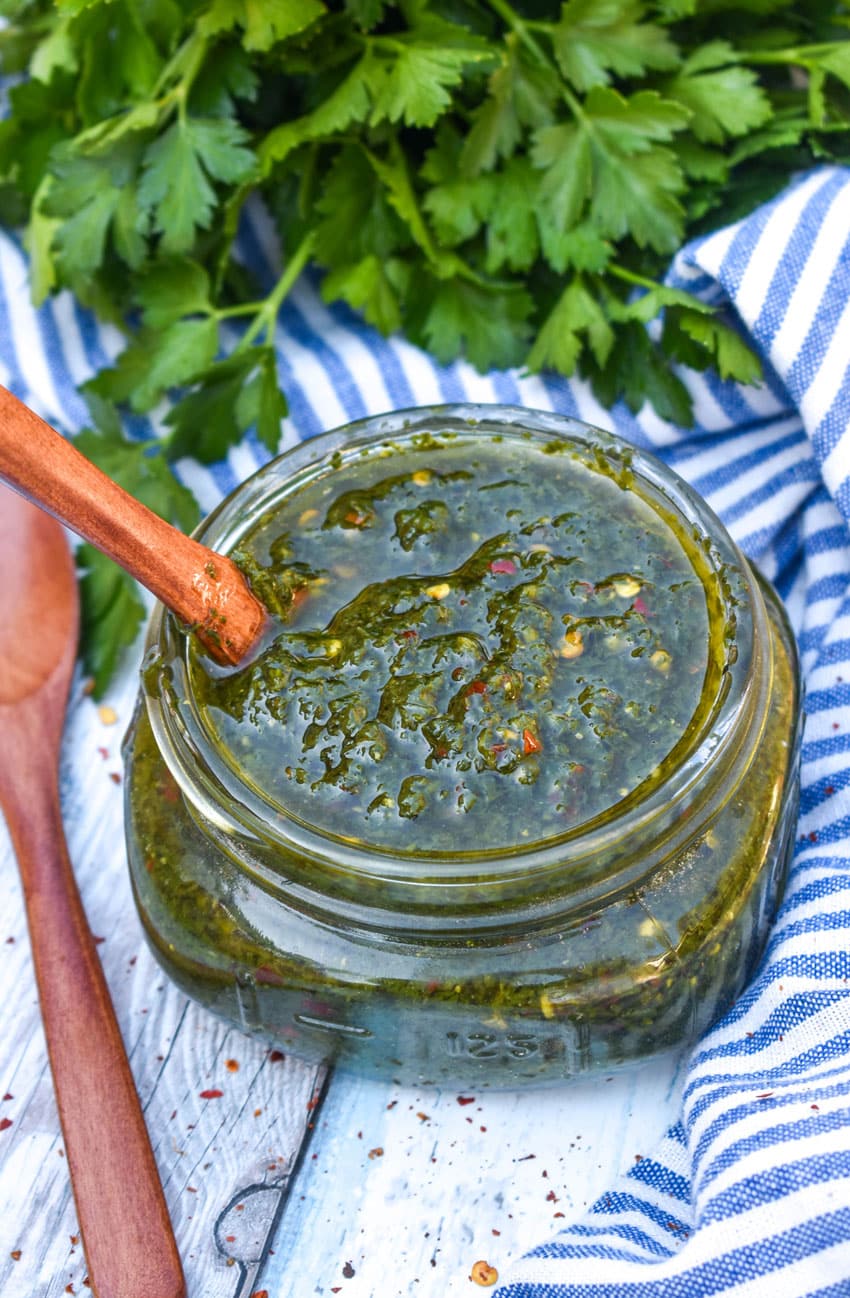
724,99
111,614
229,397
177,172
597,38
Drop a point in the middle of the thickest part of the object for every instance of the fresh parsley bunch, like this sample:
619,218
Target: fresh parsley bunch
493,180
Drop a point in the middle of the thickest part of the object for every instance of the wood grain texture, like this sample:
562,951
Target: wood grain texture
213,1155
206,590
404,1189
409,1221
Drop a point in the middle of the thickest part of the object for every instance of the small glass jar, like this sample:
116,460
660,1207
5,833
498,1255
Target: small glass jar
523,963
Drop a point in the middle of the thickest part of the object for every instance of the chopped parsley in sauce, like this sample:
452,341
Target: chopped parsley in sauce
480,642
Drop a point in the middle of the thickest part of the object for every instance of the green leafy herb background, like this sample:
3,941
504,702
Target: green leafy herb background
493,180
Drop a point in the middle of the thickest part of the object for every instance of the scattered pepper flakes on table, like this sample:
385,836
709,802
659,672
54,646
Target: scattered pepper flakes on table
483,1273
212,1094
5,1124
377,1152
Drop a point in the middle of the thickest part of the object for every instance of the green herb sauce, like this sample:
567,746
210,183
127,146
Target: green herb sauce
481,646
480,643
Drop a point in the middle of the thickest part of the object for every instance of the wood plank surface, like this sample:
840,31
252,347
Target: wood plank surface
254,1207
402,1190
225,1162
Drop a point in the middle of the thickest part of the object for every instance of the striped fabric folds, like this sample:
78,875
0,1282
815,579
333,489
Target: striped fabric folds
749,1193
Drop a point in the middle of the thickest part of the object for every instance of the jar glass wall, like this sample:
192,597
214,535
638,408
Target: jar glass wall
588,917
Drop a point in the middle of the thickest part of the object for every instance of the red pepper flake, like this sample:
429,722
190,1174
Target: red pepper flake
312,1103
640,607
75,1239
355,519
115,777
557,1214
476,687
192,1189
410,635
5,1124
495,1232
423,1117
275,1056
260,1293
8,1096
816,1107
765,1095
466,1099
530,743
551,1197
212,1094
829,790
230,1239
15,1255
503,565
377,1152
104,752
232,1065
813,838
348,1271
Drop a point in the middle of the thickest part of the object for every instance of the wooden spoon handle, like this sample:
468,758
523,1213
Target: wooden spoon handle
206,590
127,1235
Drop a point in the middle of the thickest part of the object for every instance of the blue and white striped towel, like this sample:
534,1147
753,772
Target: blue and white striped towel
749,1194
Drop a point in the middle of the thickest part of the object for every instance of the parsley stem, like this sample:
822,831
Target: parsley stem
800,54
620,272
516,24
185,64
267,315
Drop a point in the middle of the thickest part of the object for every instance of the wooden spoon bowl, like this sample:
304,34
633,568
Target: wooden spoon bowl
124,1221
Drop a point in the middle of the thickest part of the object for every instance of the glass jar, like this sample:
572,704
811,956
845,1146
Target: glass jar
539,953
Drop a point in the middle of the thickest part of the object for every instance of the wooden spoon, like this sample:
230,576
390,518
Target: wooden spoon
127,1236
206,590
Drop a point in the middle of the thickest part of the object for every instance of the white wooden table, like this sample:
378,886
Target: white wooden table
288,1181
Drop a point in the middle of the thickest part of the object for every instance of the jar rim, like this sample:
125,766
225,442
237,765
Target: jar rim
214,786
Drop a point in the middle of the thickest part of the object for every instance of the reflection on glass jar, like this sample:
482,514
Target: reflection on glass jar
510,791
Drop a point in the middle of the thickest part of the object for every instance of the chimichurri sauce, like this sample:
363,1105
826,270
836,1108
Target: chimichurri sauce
481,642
